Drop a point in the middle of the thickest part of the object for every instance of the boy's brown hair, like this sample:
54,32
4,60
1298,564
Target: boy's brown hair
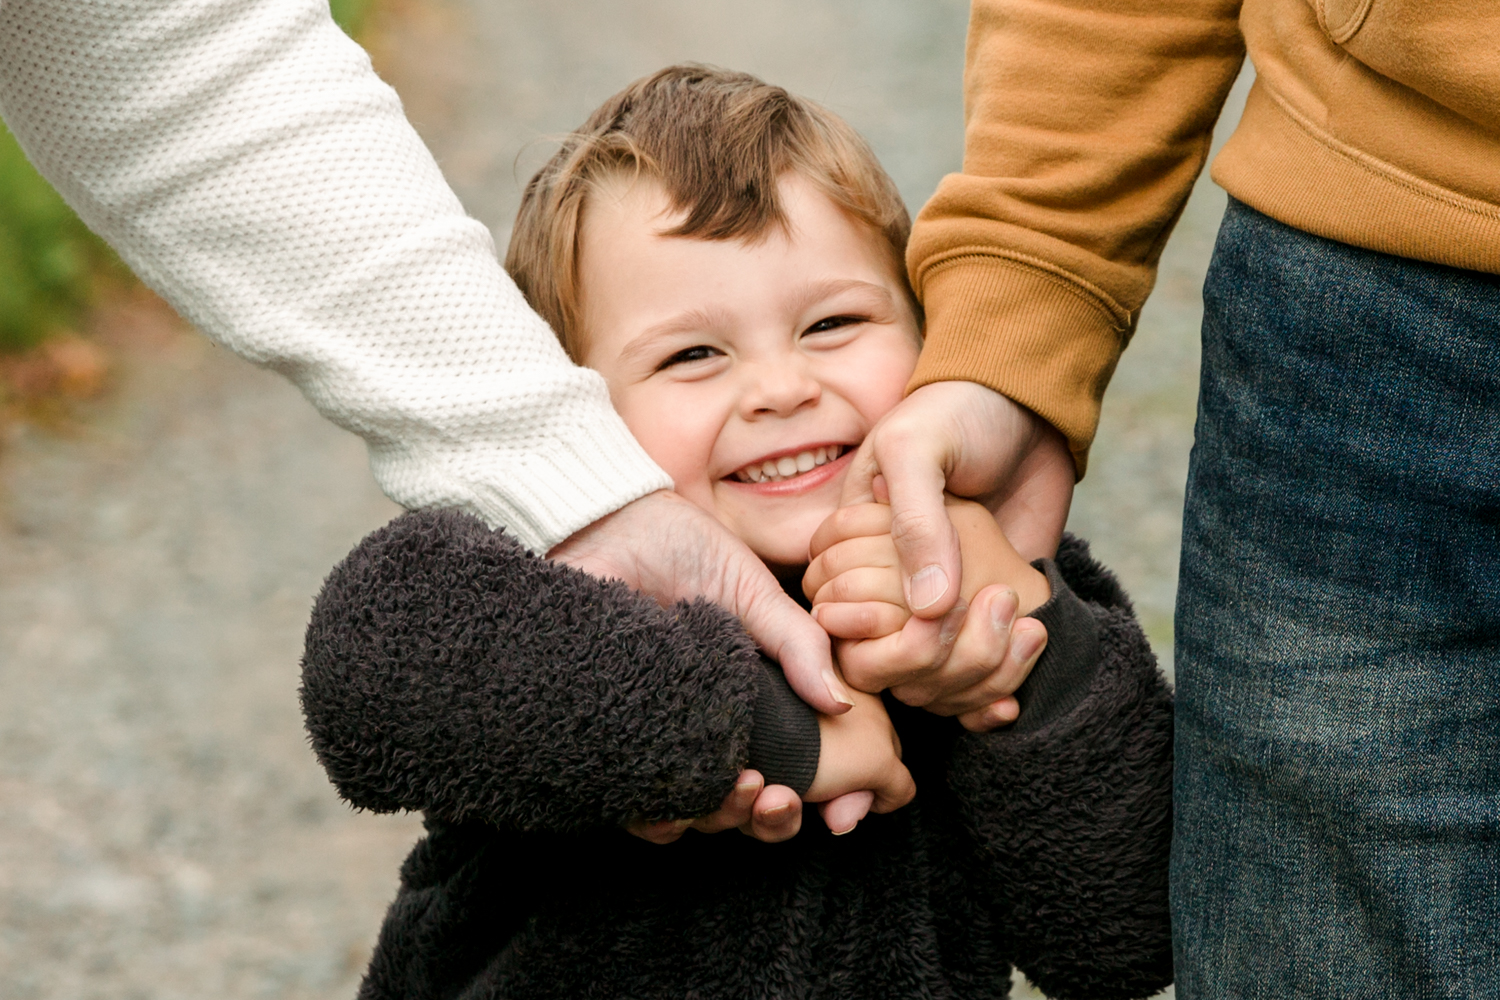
718,142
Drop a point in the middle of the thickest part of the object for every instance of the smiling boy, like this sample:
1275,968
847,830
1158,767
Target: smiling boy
729,257
750,371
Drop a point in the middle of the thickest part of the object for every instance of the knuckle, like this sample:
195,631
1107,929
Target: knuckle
902,433
915,695
913,525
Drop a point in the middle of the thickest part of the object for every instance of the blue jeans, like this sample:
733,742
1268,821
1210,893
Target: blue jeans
1338,629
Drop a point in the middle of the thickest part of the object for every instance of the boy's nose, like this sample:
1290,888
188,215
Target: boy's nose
779,389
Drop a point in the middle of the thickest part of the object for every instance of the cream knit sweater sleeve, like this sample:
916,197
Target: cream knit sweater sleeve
246,161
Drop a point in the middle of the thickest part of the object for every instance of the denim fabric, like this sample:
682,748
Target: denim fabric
1338,629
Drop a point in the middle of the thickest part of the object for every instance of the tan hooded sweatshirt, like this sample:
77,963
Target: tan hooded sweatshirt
1372,122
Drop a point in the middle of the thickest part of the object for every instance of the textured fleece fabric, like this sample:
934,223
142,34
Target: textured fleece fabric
530,710
245,160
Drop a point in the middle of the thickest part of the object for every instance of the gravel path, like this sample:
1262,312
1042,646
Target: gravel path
164,831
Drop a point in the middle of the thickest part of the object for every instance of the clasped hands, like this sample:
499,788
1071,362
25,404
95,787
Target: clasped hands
967,663
952,651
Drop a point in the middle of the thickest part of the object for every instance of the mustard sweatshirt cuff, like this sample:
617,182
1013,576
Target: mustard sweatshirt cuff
1024,331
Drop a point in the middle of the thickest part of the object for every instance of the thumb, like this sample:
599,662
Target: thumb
859,480
844,813
925,540
897,792
791,638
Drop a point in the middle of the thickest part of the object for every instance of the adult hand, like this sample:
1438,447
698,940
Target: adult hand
665,547
973,442
982,653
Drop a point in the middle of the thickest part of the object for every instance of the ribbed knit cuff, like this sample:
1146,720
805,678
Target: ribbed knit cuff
785,743
1066,669
562,489
1024,331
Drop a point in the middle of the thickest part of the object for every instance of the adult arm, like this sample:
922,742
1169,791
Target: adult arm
243,157
245,160
1087,123
449,670
1071,807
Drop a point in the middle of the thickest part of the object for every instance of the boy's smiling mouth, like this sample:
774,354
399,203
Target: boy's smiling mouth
794,469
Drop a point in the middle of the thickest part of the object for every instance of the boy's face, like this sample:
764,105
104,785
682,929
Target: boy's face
749,372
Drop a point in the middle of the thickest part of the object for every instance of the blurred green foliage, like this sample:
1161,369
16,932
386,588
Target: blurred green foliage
48,259
350,14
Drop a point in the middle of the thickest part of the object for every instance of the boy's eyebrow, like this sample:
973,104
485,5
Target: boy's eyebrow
817,291
640,349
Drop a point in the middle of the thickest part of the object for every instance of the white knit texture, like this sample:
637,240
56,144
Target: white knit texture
245,160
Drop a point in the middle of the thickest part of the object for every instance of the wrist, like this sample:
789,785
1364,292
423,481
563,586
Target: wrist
990,559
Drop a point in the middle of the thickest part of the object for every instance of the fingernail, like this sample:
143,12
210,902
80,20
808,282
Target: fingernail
927,587
1027,645
1003,610
776,810
836,690
745,786
840,833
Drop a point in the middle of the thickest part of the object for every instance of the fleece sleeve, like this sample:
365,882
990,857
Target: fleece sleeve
447,669
245,160
1072,813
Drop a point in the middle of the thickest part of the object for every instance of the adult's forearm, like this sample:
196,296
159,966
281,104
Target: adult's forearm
246,161
1088,122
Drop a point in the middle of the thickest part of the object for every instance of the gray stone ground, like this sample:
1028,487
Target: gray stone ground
164,831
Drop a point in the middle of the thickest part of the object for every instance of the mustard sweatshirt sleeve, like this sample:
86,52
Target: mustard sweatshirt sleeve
1087,122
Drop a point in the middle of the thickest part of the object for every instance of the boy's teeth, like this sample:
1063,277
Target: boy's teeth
788,466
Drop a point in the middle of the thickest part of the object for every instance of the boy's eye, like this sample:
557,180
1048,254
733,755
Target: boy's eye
833,323
688,355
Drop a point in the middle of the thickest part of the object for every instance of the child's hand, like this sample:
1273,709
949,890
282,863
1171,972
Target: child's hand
978,660
859,771
860,753
771,813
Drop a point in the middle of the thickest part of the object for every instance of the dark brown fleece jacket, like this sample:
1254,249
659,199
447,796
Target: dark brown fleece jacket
530,710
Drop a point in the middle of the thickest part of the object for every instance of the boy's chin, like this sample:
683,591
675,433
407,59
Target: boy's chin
787,564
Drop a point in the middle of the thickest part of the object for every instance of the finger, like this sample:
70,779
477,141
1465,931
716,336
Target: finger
791,638
896,792
843,814
912,655
979,654
863,552
1027,641
863,620
776,816
865,583
859,481
992,716
858,520
734,811
925,540
659,832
